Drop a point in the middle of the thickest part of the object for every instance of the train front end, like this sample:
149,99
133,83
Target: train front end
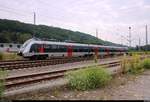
24,49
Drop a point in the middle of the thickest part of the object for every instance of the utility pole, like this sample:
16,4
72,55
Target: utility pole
34,19
146,37
96,33
130,37
139,43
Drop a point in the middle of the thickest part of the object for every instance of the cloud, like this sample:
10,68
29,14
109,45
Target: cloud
109,16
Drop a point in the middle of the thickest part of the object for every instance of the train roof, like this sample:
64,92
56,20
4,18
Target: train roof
69,44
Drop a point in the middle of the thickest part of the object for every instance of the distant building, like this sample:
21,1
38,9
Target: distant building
9,47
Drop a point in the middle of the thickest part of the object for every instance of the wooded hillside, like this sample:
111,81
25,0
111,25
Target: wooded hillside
18,32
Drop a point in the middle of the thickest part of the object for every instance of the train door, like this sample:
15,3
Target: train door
107,52
41,48
96,51
69,51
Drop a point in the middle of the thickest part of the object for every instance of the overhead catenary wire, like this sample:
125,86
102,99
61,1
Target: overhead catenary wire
13,12
23,11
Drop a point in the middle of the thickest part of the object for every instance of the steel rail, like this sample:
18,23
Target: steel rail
32,78
36,77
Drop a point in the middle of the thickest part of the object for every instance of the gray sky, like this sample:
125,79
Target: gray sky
112,18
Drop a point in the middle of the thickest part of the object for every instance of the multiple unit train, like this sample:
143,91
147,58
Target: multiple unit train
38,49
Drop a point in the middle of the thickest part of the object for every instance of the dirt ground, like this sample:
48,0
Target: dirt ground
124,87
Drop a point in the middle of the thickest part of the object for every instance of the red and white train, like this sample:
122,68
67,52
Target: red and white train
38,49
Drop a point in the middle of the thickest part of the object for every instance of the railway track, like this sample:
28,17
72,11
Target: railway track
33,78
21,64
17,81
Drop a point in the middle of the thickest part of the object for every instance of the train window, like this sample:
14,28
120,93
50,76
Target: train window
57,48
101,49
89,49
85,50
18,46
1,45
62,48
80,49
117,50
76,49
47,48
54,46
111,50
35,48
10,45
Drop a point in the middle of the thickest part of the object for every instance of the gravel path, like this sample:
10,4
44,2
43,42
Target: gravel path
127,87
138,89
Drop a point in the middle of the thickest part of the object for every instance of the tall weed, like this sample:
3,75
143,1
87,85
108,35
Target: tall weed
1,56
2,82
146,63
133,65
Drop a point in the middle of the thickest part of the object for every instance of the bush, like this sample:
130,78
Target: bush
145,63
135,68
88,78
132,66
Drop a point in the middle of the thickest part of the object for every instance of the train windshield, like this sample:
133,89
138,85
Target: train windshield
26,43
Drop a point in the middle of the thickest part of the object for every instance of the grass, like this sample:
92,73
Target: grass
9,56
146,63
2,82
1,56
139,52
88,78
131,66
135,65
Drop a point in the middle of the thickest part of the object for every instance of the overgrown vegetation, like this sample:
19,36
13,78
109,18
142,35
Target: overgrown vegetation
88,78
9,56
146,63
1,56
2,82
134,65
139,52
